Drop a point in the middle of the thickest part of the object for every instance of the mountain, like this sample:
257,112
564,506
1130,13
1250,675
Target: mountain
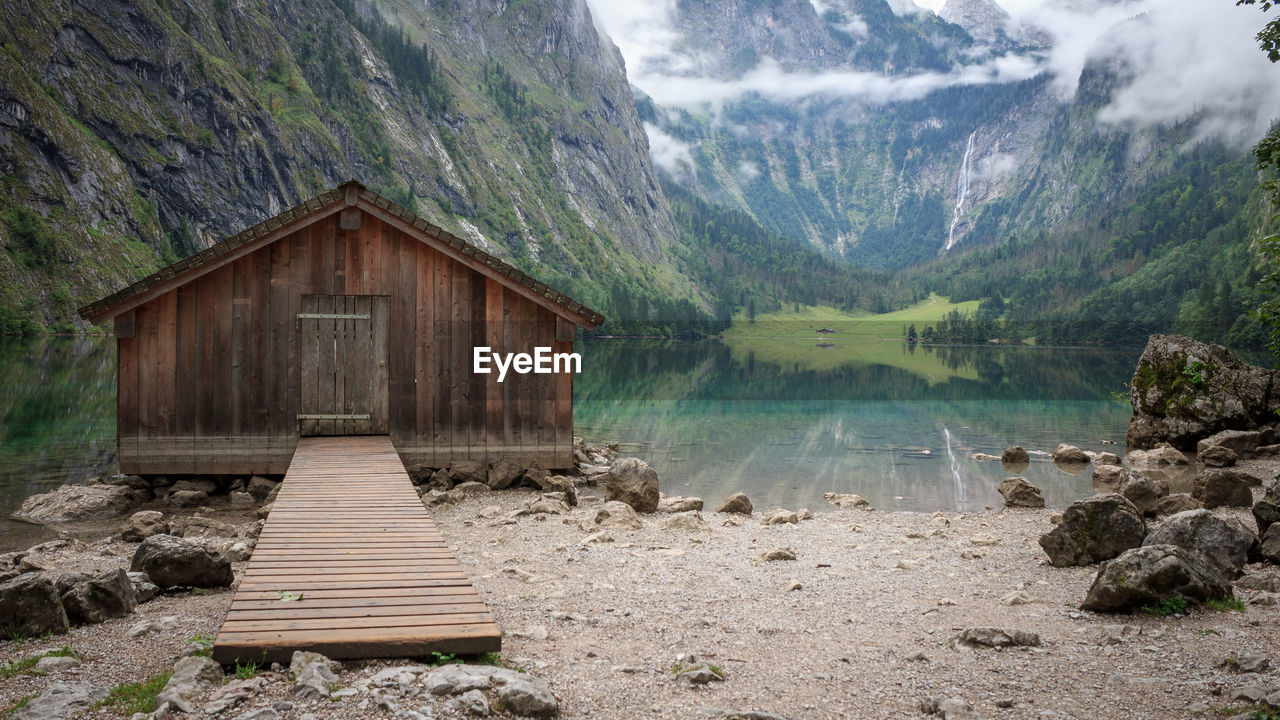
944,146
135,132
844,152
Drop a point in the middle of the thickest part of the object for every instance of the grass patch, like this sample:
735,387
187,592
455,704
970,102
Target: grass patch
1165,608
137,697
18,667
21,703
25,665
206,645
436,658
246,671
1224,604
790,338
806,320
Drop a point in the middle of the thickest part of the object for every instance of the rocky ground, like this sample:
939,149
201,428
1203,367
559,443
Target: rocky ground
688,622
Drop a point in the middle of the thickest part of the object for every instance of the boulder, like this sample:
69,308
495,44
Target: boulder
618,515
1103,458
1222,544
1143,492
1161,456
457,679
1017,492
240,499
1069,455
996,637
1240,442
1108,478
133,482
1184,390
737,503
525,695
560,484
779,553
1218,456
206,486
502,474
171,562
470,488
689,520
187,498
632,481
95,598
1270,549
142,525
78,502
235,549
61,700
30,605
533,475
846,500
468,471
1015,456
441,479
1150,574
313,674
143,589
1266,513
1094,529
547,504
780,517
192,677
1223,487
1176,503
260,487
202,527
679,504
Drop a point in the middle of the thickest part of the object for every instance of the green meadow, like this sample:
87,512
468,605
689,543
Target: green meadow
791,338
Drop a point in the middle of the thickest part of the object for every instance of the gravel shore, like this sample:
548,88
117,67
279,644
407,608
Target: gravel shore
867,634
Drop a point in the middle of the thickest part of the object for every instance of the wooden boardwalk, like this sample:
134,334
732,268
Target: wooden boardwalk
350,564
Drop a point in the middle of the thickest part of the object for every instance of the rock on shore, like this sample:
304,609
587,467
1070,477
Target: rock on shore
1184,390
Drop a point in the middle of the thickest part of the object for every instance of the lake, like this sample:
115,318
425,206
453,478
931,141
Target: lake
783,421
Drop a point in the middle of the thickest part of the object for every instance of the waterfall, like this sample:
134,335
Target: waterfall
957,485
962,192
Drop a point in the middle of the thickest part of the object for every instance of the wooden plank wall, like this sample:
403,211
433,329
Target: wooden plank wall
209,382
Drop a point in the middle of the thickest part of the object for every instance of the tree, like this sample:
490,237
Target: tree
1268,153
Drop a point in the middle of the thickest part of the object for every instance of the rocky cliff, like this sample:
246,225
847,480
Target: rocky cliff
134,132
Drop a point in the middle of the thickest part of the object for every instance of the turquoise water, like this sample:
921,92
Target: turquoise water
892,424
897,430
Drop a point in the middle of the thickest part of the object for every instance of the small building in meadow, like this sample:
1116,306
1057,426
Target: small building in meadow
346,315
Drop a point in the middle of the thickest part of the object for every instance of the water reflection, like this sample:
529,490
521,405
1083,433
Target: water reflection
57,420
895,426
783,422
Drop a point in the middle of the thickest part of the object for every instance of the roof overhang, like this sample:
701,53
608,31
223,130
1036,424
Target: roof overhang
348,195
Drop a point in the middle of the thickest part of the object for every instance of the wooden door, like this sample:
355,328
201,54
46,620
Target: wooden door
342,357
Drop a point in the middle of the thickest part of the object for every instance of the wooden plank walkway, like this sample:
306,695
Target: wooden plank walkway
348,534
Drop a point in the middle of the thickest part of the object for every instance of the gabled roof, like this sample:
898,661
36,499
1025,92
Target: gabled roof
348,194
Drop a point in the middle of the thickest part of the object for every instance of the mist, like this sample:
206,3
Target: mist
1176,60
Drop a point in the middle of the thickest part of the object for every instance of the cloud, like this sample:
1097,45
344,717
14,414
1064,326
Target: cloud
1194,60
771,81
669,153
1178,60
994,167
748,170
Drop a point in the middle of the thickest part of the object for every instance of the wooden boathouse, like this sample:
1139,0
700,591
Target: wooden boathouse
346,315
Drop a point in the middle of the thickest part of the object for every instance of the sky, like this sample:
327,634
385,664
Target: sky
1183,59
